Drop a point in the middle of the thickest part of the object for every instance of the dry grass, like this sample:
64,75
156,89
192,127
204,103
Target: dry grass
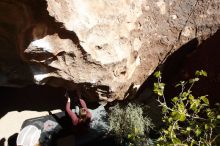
129,121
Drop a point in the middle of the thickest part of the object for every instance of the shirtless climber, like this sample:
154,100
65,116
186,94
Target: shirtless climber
79,115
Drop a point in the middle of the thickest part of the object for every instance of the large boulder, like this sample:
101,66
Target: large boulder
106,48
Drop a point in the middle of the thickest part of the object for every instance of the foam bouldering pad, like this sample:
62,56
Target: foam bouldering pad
57,129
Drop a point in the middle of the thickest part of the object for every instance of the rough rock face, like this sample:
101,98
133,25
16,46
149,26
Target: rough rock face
105,47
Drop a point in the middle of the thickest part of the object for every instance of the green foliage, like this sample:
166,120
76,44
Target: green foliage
128,123
189,121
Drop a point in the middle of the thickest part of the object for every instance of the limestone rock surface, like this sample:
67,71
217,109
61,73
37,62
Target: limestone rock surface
106,48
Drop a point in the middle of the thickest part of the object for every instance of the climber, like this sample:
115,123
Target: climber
89,124
79,115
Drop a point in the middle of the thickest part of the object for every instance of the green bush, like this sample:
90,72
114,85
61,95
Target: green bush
128,123
189,120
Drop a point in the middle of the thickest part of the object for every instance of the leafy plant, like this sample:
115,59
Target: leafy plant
189,120
128,124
